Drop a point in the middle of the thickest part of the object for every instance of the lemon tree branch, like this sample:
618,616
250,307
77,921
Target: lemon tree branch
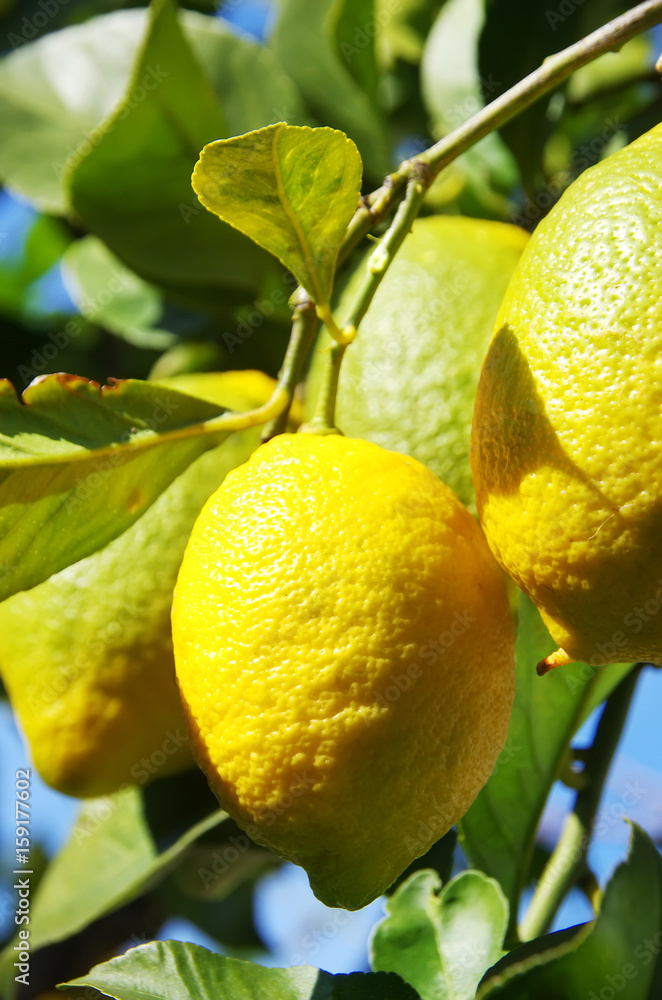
568,859
555,69
379,262
414,176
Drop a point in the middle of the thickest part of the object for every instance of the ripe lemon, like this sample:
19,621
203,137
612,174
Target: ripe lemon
344,650
567,439
409,379
86,656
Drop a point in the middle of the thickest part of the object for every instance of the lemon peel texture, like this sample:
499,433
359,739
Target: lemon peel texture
345,653
567,433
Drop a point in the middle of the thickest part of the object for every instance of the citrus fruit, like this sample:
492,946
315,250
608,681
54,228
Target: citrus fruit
344,651
409,379
568,422
86,656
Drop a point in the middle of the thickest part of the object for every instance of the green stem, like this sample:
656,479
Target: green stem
413,177
324,420
568,859
379,262
304,327
382,256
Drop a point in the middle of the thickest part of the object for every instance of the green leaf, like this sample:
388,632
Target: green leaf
291,189
442,944
480,180
107,293
133,187
498,832
59,95
617,955
355,28
188,972
247,78
54,92
80,463
110,858
317,46
450,84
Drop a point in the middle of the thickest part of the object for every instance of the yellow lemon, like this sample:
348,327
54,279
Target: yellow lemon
86,656
409,379
344,650
567,438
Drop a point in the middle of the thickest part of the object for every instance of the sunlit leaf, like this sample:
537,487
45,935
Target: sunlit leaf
53,94
292,189
326,47
188,972
80,463
441,943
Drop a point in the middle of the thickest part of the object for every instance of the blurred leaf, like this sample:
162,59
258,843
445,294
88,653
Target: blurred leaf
290,188
355,27
46,241
452,93
403,29
247,78
213,884
53,92
110,858
442,944
109,294
450,85
188,972
80,463
498,832
316,43
147,214
515,40
56,92
617,954
607,73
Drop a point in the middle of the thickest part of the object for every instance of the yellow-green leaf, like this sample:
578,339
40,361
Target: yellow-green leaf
292,189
